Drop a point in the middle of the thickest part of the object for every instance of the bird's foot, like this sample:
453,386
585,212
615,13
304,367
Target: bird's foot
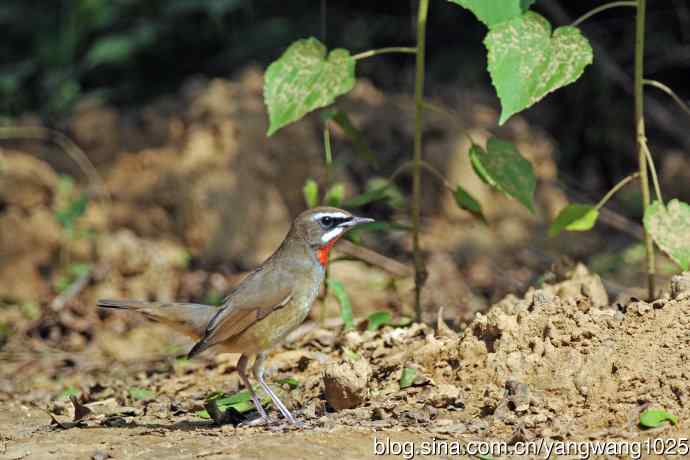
258,421
297,424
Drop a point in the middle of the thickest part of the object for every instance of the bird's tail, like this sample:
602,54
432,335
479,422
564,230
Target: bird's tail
188,318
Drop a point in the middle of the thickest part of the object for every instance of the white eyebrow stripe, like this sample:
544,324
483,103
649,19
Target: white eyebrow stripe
335,214
328,236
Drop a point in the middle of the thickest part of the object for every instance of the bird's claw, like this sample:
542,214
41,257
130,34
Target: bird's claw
258,421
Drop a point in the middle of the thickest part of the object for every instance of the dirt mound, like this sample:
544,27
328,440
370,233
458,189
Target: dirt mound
581,368
559,362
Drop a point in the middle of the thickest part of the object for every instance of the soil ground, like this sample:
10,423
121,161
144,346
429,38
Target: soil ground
558,364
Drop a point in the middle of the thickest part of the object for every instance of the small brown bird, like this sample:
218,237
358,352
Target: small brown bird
267,305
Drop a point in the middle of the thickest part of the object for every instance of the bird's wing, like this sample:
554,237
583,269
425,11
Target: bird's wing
256,297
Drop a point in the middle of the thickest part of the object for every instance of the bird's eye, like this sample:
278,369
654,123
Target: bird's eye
327,221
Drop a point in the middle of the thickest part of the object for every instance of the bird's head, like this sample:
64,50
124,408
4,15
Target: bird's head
322,227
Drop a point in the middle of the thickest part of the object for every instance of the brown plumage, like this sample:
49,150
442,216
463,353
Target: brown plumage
267,305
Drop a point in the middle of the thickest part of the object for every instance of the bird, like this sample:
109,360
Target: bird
269,303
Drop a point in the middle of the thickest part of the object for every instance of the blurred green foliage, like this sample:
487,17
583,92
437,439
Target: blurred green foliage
54,52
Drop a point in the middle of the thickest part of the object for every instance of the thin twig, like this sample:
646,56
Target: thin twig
374,258
450,113
670,92
616,188
72,291
601,8
390,49
65,143
424,165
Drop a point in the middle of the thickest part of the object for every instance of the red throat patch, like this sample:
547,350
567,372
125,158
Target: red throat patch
322,253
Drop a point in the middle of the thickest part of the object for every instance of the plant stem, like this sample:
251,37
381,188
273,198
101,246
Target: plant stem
328,153
670,92
601,8
390,49
640,130
615,189
652,171
419,269
450,113
424,165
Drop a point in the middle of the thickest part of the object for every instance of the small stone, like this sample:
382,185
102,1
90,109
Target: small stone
346,383
542,297
378,414
100,455
680,286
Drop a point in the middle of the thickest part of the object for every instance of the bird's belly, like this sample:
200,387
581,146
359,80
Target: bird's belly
272,329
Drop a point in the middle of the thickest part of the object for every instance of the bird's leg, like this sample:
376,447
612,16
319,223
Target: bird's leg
242,370
258,369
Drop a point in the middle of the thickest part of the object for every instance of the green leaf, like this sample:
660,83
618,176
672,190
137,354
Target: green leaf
290,381
393,195
110,49
407,377
467,202
404,321
344,301
240,401
69,391
492,12
68,215
670,228
361,146
140,394
526,61
117,48
304,79
334,195
574,217
311,193
351,355
652,418
502,167
224,400
378,319
375,194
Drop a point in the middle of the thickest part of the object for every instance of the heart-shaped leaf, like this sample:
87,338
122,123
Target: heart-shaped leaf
670,228
311,193
574,217
502,167
653,418
467,202
526,61
304,78
492,12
